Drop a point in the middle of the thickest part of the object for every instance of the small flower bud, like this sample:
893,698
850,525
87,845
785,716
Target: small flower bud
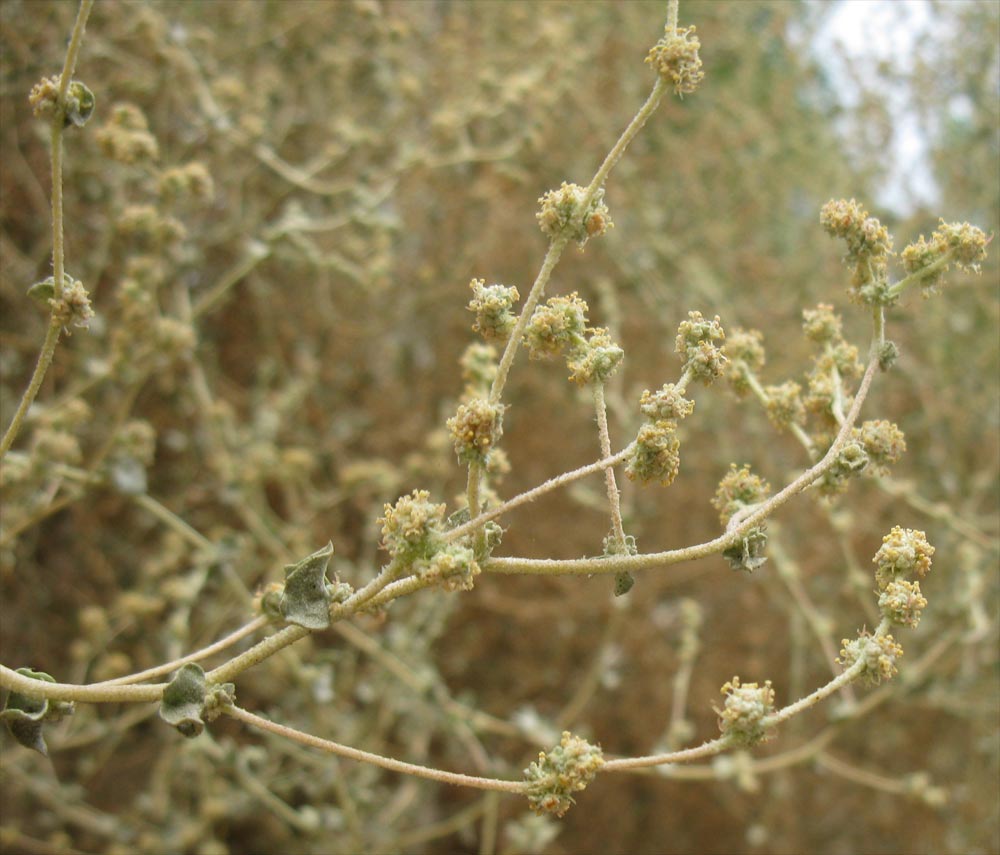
967,242
675,58
667,403
71,304
851,461
739,488
745,708
78,106
879,653
410,528
191,181
595,361
745,349
883,442
904,552
699,341
454,565
657,454
126,137
821,324
492,305
901,603
784,404
558,324
555,776
475,429
562,214
869,246
479,367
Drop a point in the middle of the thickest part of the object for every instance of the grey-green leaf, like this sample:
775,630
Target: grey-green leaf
184,700
306,598
25,715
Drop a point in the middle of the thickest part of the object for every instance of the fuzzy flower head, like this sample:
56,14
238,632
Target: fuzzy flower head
479,367
958,243
475,429
192,181
883,442
563,214
666,403
822,324
746,706
125,137
560,323
454,566
784,404
902,603
77,108
739,488
699,342
904,552
656,456
411,527
675,58
850,463
869,246
596,360
745,350
566,769
72,304
878,653
493,307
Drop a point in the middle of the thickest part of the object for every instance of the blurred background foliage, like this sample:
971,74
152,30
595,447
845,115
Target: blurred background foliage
278,235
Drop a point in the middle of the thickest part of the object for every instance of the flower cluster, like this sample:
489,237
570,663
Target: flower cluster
479,368
961,243
784,404
493,307
126,137
822,324
560,323
191,181
746,707
71,305
563,214
77,107
675,58
454,566
699,342
869,246
656,456
560,326
566,769
883,442
413,533
412,527
596,359
475,429
745,349
904,552
902,603
738,489
878,653
668,402
850,462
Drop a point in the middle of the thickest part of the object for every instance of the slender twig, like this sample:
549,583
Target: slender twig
621,563
614,497
58,261
439,775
